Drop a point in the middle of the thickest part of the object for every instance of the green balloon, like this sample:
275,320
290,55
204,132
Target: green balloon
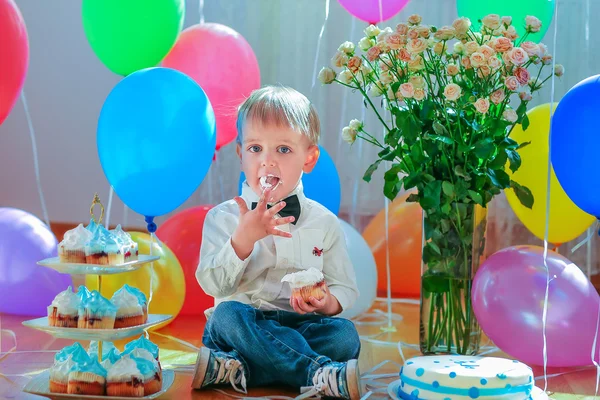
517,9
129,35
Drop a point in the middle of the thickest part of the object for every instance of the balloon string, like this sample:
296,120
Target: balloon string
36,165
314,78
125,215
201,10
108,208
547,227
590,233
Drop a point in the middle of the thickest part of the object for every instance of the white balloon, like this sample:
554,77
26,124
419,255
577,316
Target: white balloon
364,268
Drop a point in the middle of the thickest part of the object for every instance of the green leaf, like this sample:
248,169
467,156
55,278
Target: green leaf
443,139
412,198
448,189
524,144
438,283
372,168
485,149
460,172
393,183
412,180
499,178
525,122
523,194
499,161
428,109
445,209
416,155
509,143
431,195
515,160
445,224
387,154
476,197
440,129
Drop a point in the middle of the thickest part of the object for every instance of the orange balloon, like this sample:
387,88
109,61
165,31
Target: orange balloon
405,244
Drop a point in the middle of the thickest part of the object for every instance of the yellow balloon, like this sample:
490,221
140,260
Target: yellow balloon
567,221
168,282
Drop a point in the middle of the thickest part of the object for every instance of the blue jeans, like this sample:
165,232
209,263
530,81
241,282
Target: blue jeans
280,347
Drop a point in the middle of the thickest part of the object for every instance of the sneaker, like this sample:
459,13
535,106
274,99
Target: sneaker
218,368
337,380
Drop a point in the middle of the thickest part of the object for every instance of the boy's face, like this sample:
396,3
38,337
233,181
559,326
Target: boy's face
276,157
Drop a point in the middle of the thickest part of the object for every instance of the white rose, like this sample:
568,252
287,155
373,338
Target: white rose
419,94
507,21
525,96
459,48
415,19
452,92
491,21
510,115
349,134
477,60
356,125
407,90
482,105
494,63
534,84
372,31
327,75
532,24
366,69
461,27
440,47
543,49
547,59
416,64
417,81
486,50
339,59
366,43
471,47
347,47
559,70
386,77
510,33
423,31
417,46
452,69
375,89
445,33
345,77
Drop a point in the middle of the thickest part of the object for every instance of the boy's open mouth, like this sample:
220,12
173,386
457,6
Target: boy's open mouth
269,181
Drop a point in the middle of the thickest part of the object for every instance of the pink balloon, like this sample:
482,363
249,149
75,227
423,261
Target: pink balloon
508,299
222,62
368,10
14,55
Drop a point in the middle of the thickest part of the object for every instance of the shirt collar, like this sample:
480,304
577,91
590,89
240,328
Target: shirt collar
249,196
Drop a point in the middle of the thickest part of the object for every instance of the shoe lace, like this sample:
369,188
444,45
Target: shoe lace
325,383
231,371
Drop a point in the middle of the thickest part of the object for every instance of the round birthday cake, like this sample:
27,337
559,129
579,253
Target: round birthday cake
465,377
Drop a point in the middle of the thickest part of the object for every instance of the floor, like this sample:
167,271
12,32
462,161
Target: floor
35,351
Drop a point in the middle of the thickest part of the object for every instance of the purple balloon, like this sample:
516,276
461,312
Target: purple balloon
368,10
508,299
25,287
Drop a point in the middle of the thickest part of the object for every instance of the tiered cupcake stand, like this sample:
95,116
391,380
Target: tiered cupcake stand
39,385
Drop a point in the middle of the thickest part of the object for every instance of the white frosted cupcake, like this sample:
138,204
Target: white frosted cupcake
129,309
96,312
146,355
151,375
306,284
125,379
130,248
72,247
64,360
63,310
87,378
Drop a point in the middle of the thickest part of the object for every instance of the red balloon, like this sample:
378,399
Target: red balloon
14,55
222,62
182,233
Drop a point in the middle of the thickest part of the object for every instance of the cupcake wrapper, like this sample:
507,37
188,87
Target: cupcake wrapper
58,387
96,322
133,388
306,292
72,256
114,258
60,320
132,320
97,258
86,383
152,386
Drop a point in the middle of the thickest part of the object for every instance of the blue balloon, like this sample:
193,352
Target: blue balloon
156,139
575,142
321,185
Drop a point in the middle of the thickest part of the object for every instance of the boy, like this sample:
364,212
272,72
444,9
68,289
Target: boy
257,333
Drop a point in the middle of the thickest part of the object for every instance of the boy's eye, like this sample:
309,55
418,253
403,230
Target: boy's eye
284,150
254,149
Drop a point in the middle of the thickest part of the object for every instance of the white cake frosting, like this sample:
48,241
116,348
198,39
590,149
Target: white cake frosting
142,353
66,303
124,370
76,238
303,278
59,372
465,377
127,304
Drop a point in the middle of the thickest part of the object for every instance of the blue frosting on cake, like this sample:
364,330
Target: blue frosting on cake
146,367
142,343
83,293
98,305
76,351
92,366
134,291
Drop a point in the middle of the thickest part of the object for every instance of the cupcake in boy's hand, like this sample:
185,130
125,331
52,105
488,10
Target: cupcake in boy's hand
306,284
63,311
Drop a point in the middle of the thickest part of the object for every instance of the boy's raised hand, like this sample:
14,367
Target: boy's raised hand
257,224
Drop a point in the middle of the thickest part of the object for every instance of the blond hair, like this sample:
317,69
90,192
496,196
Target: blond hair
283,107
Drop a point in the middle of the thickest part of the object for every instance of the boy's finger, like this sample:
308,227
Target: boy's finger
316,303
241,204
294,303
282,221
262,202
276,208
278,232
304,306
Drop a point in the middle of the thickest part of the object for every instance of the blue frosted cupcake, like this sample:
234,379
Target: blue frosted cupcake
87,378
142,343
83,293
96,312
151,375
64,360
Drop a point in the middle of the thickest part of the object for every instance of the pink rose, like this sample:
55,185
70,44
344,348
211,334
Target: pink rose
354,63
402,29
482,105
452,69
394,41
444,33
511,83
417,46
532,49
498,96
522,75
518,56
413,33
494,63
506,58
532,24
510,33
416,64
487,51
525,96
477,60
404,55
386,77
419,94
452,92
407,90
491,21
424,31
373,53
547,59
503,44
543,49
461,27
510,115
339,59
483,71
415,19
466,62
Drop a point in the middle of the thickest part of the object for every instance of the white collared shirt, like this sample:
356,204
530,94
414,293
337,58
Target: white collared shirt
257,279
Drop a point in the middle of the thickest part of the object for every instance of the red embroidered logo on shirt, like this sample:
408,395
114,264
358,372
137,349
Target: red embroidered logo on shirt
317,252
